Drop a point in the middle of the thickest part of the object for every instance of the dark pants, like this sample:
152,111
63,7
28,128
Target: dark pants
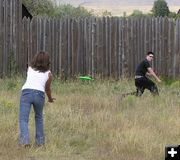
145,83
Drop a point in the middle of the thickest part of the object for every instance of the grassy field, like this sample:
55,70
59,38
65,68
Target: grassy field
91,121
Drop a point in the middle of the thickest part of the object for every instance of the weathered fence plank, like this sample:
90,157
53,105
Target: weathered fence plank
5,31
60,49
120,66
1,39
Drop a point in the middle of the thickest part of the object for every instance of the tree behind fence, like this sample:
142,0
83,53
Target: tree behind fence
104,46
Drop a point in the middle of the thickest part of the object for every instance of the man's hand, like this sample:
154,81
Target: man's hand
158,80
150,70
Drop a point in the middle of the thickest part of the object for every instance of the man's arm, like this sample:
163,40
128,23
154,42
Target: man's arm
48,88
152,73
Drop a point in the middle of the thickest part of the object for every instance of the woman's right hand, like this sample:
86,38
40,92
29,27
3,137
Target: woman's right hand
51,100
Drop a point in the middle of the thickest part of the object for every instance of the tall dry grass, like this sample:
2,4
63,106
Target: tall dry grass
91,121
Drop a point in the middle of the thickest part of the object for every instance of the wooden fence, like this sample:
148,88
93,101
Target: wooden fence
10,35
104,46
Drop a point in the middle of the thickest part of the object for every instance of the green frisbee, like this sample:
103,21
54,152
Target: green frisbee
85,78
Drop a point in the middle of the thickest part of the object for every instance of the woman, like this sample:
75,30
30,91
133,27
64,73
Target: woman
38,82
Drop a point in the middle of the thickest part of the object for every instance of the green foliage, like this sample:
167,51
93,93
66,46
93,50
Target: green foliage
160,8
5,103
12,64
40,7
11,84
177,16
168,81
175,84
51,9
106,13
70,11
172,15
138,13
48,8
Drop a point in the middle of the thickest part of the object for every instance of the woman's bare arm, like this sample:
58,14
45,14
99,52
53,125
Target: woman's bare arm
48,88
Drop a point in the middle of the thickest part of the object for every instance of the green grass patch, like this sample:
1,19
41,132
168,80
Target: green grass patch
91,120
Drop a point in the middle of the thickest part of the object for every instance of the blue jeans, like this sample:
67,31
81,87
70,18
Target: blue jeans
36,98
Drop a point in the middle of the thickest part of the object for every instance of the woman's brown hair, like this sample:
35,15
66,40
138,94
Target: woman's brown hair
41,62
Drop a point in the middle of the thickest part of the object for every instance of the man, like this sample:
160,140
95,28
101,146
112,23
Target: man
143,70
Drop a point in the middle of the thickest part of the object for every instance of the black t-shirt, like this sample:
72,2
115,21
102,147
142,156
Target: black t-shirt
142,68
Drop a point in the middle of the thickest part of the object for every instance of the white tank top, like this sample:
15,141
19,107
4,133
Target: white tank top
36,80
